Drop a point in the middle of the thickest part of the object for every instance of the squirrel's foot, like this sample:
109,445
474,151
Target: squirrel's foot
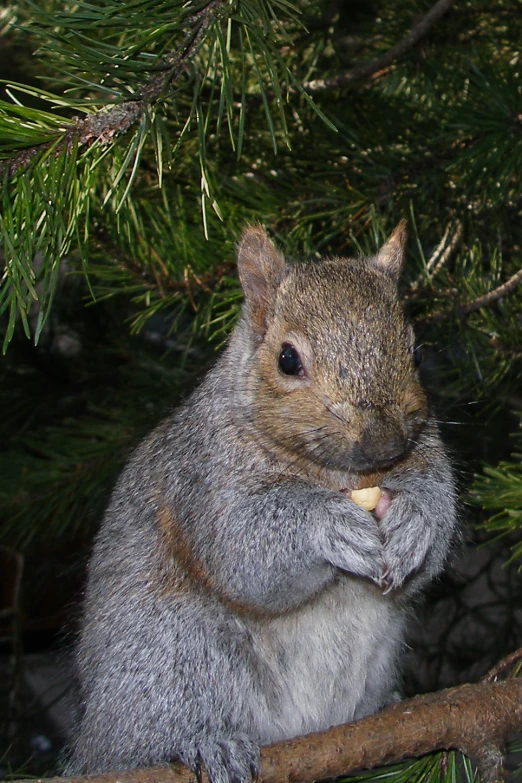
225,760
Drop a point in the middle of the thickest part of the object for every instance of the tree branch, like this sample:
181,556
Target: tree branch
492,296
465,308
102,126
365,70
475,719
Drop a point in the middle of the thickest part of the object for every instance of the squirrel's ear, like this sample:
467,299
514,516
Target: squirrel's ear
390,257
261,269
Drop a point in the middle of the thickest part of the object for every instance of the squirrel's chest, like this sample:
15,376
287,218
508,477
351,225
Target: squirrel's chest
331,662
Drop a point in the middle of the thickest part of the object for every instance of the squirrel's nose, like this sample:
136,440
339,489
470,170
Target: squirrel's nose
382,439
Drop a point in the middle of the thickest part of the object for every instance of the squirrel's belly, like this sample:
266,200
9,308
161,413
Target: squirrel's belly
330,662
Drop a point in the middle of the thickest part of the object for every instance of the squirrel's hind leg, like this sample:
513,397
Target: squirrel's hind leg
165,679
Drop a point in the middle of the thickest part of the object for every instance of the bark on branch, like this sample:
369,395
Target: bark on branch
475,719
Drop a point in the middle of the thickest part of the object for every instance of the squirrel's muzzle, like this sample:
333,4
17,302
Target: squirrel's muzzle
382,440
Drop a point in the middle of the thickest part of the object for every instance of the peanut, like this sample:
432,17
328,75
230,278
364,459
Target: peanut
367,498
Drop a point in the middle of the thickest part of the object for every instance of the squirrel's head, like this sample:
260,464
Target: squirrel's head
332,376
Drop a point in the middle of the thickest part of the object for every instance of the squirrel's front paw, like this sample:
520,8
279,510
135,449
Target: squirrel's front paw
225,760
353,544
408,537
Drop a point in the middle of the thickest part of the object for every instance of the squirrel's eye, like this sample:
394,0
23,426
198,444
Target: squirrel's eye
290,361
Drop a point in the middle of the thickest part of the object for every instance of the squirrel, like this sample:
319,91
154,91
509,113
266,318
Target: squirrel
237,594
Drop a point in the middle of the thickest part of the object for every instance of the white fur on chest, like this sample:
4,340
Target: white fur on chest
331,662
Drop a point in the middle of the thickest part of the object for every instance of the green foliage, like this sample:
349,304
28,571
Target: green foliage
499,489
452,767
64,471
177,72
487,129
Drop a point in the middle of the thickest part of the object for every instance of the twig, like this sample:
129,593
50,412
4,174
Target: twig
492,296
501,666
474,719
465,308
102,126
440,256
166,285
365,70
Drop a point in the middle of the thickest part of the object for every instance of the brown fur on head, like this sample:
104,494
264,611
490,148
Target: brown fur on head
352,400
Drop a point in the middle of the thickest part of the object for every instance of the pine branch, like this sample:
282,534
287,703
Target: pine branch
365,70
492,296
475,719
107,123
191,283
461,309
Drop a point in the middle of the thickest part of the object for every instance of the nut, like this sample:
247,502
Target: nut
366,498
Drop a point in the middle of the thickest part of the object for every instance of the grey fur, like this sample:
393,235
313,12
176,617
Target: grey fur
236,595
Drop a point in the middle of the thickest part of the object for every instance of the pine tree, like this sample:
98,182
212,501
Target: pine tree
140,139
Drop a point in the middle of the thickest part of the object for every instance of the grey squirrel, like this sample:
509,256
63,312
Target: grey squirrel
237,593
